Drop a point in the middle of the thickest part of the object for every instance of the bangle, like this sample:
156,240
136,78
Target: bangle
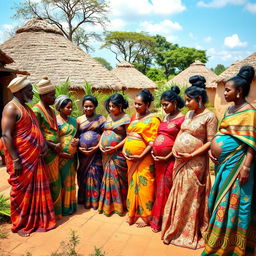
15,160
246,168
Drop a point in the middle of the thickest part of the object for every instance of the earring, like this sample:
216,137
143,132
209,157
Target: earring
238,95
200,104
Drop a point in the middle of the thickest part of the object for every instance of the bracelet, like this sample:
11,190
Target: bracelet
246,168
16,160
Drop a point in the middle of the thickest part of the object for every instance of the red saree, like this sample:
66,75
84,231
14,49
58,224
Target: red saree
167,132
31,202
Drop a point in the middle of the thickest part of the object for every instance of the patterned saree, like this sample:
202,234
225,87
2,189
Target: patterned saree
114,183
90,172
232,229
31,202
141,179
49,128
162,146
67,132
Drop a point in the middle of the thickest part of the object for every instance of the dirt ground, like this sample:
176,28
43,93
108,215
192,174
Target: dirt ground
111,234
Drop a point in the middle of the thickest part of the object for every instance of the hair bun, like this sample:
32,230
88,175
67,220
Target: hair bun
198,81
175,89
148,93
247,73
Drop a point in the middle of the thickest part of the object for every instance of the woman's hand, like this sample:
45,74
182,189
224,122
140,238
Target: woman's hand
160,158
214,159
57,148
89,151
185,156
110,150
244,175
17,167
74,142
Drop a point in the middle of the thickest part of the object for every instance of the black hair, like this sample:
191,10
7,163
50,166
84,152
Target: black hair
172,95
243,79
118,100
90,98
64,103
146,96
197,88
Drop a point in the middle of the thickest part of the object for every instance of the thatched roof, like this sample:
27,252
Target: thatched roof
42,50
234,68
196,68
131,77
5,59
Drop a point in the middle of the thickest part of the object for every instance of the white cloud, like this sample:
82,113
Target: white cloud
165,27
192,36
220,3
117,24
251,7
234,42
208,39
167,7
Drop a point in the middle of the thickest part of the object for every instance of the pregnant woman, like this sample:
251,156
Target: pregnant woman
232,229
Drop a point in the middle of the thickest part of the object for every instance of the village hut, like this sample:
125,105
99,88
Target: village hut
6,75
220,103
197,68
133,80
42,50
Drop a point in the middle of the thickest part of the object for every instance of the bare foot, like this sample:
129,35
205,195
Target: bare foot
141,224
23,234
155,230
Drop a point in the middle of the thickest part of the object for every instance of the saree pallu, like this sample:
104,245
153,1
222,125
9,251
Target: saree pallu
232,228
90,171
114,182
31,202
49,128
162,146
186,214
141,179
67,132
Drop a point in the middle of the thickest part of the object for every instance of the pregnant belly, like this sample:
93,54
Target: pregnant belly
133,147
216,148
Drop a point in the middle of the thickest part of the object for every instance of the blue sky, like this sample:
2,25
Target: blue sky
224,28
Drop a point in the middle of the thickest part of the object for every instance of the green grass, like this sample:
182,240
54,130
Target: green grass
4,207
97,252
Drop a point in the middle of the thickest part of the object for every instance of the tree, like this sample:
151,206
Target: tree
155,74
219,69
69,16
104,63
130,46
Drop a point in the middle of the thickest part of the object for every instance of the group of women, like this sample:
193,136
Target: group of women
158,170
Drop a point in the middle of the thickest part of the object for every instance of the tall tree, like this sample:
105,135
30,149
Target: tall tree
219,69
130,46
70,16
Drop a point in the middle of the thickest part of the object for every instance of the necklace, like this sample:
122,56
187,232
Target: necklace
235,109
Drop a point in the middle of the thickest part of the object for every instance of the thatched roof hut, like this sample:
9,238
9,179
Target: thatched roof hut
42,50
220,103
197,68
133,80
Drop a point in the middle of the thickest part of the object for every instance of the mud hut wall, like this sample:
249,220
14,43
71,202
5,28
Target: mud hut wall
211,92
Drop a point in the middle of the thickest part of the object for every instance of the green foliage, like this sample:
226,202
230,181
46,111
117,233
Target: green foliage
104,63
4,206
219,69
68,248
155,74
97,252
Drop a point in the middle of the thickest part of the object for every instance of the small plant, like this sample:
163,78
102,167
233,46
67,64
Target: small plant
97,252
4,207
68,248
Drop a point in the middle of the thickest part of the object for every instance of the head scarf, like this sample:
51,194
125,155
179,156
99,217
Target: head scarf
44,86
59,101
18,83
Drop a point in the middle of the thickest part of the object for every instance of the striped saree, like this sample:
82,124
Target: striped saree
68,166
49,128
232,229
31,202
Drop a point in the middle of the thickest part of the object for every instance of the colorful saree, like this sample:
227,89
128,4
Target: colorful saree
114,183
31,202
90,171
141,179
232,229
67,131
186,214
162,146
49,128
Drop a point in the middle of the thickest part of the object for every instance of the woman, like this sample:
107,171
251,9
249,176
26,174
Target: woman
162,152
141,134
114,183
232,229
186,214
90,172
67,163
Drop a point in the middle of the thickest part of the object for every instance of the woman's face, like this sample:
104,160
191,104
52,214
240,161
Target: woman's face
140,106
230,92
114,109
67,109
191,103
89,108
168,106
49,98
